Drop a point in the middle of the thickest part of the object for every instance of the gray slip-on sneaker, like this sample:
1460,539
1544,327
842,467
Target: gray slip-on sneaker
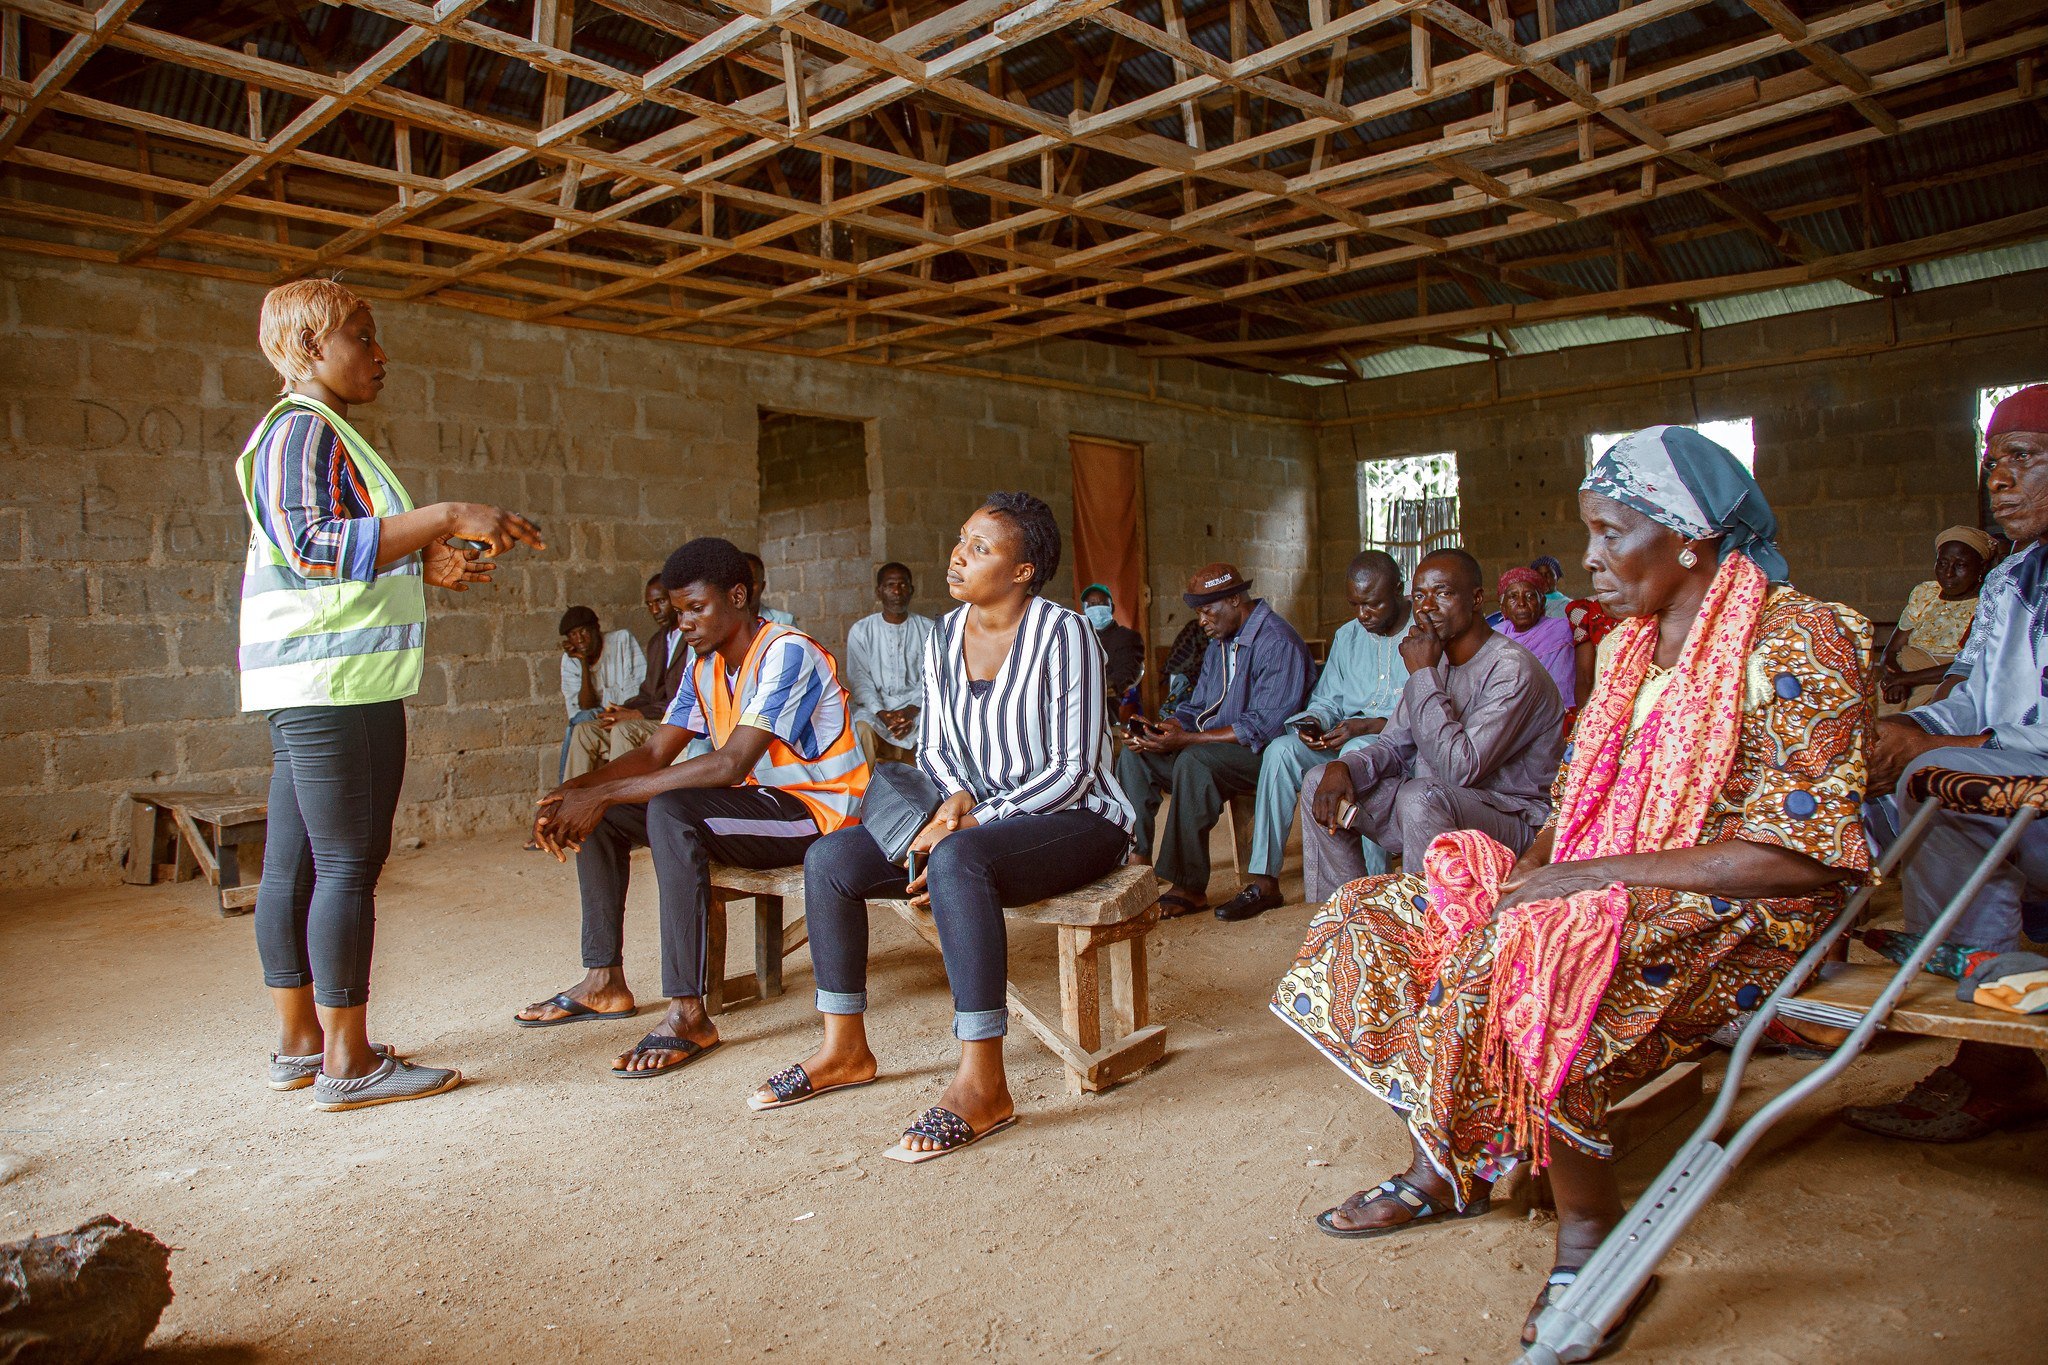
388,1084
296,1073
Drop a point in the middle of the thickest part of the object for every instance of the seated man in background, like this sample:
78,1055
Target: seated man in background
598,671
620,729
1207,750
1123,649
1994,723
885,670
757,578
1360,686
783,770
1936,622
1473,744
1549,638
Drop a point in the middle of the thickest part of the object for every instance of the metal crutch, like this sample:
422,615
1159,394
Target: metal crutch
1574,1325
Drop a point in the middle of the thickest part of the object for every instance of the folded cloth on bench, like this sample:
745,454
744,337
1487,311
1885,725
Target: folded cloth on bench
2017,982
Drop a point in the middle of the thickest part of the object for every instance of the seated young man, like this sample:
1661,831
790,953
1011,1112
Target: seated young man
783,770
1473,744
885,670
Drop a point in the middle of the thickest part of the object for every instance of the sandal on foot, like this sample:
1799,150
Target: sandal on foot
573,1011
1564,1276
296,1073
1421,1207
1173,907
388,1084
946,1128
661,1042
792,1085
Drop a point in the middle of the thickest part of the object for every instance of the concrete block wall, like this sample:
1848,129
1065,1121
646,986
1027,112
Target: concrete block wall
815,532
128,393
1864,421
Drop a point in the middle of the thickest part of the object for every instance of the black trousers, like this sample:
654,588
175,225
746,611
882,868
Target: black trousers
334,778
687,828
1201,778
973,874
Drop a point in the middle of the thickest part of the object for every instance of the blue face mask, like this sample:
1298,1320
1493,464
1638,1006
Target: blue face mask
1099,615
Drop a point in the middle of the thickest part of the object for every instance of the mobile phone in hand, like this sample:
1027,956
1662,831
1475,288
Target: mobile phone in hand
1308,727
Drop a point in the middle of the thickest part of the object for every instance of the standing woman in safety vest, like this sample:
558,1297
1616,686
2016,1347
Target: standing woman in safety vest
333,615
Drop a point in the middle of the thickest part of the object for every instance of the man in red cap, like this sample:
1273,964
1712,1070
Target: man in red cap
1206,751
1995,722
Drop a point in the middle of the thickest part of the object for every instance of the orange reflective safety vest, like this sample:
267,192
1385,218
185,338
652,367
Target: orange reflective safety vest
831,784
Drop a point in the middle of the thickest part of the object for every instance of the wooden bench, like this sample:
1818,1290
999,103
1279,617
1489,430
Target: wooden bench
1108,918
179,834
770,889
1841,993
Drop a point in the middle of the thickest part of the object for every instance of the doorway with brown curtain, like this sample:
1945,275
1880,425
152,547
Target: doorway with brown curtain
1109,533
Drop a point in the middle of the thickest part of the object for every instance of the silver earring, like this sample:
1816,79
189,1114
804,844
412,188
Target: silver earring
1687,559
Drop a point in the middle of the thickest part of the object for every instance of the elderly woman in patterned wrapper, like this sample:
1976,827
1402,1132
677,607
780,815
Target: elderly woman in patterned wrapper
1706,829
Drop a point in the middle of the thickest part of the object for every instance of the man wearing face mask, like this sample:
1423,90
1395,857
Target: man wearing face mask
1123,647
1473,744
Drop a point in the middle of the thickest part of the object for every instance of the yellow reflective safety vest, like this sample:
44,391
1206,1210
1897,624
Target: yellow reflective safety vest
830,785
327,641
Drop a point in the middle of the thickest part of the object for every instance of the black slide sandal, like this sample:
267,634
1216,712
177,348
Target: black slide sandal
1418,1203
658,1042
576,1012
792,1085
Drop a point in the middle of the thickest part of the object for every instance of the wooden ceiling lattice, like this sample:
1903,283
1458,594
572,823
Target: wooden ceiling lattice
1285,185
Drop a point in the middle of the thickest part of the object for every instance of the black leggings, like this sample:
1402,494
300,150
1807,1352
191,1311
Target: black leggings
334,779
973,874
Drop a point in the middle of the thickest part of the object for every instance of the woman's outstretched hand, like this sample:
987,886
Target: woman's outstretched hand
498,528
455,567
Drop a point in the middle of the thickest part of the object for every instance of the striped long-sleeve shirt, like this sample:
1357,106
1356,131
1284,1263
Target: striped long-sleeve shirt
313,502
1037,739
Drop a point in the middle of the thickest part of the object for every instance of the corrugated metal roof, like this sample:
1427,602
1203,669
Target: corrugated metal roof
1558,336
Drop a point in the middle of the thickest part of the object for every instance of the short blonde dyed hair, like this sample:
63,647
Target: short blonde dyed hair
290,311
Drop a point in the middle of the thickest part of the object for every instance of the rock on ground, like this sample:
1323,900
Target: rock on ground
84,1297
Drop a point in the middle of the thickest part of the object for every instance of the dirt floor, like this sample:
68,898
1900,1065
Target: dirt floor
546,1211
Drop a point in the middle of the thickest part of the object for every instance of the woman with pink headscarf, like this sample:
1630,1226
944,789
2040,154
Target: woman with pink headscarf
1549,638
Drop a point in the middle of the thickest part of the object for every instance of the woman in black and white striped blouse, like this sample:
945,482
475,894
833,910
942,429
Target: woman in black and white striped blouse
1015,734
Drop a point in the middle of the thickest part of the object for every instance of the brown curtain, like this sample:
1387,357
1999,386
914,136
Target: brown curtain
1109,524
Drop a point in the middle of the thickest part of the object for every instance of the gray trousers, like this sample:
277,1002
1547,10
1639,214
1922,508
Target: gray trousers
1201,778
1402,816
1955,844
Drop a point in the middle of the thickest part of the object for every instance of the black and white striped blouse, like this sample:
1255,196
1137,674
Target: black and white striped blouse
1037,739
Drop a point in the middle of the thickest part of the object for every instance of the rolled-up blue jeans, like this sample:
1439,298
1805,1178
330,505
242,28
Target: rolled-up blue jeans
972,875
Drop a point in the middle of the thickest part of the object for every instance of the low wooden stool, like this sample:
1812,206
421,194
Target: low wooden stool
769,889
1107,918
197,833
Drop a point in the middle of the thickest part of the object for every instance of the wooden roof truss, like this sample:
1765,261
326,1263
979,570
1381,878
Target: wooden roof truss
1286,185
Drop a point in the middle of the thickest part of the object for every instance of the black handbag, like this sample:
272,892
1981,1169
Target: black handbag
900,801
